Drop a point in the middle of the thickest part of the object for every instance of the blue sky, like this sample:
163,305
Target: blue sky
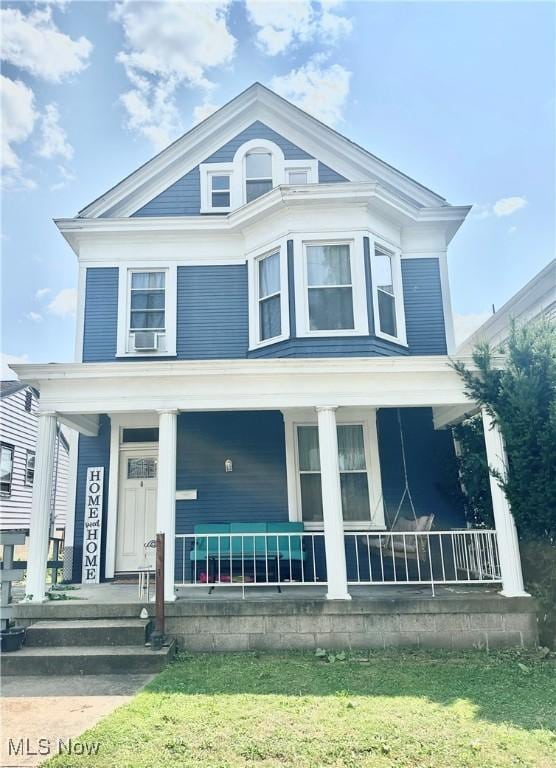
459,96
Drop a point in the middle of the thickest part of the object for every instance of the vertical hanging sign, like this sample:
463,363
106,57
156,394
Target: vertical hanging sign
92,525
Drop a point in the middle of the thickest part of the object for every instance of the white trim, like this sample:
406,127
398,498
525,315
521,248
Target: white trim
311,166
447,303
395,261
170,309
357,266
190,495
278,246
73,442
113,499
366,417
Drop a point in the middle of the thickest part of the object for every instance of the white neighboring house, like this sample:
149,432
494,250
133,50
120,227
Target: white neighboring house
536,300
18,420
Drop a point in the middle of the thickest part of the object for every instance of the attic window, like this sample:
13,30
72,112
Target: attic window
220,191
258,174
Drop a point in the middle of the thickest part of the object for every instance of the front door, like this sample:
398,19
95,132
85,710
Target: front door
136,510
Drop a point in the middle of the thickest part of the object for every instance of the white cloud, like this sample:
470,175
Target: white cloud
34,317
18,119
66,177
169,45
41,293
285,23
7,373
202,111
508,205
54,141
34,43
321,91
64,303
465,325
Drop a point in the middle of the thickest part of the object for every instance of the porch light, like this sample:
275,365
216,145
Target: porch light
228,466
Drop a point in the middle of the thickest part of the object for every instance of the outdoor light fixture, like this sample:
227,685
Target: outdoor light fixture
228,466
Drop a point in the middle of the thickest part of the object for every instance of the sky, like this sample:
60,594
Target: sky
459,96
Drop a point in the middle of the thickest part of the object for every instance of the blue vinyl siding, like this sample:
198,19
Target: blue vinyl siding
183,198
92,452
328,175
101,314
212,312
348,346
424,313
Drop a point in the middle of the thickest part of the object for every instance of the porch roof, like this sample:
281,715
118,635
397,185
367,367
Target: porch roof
130,386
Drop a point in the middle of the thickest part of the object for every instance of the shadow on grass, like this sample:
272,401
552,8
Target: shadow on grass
516,688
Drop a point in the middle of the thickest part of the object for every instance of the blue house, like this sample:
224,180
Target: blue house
262,372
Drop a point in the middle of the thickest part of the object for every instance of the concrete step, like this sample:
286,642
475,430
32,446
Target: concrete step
86,660
89,632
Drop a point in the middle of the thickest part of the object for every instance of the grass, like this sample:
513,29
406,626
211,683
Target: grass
383,709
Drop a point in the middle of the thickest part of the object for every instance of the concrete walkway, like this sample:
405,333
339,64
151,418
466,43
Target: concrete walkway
37,712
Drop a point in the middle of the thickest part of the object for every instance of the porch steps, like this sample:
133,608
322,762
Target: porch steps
87,647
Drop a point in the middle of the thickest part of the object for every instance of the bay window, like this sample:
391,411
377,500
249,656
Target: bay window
353,469
386,298
329,287
269,296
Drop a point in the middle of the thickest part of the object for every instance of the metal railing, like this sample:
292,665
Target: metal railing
250,559
429,557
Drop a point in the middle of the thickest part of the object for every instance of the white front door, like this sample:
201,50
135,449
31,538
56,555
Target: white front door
136,509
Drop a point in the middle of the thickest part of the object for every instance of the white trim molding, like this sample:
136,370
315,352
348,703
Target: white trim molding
253,259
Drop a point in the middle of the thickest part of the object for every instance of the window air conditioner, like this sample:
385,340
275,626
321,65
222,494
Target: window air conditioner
145,341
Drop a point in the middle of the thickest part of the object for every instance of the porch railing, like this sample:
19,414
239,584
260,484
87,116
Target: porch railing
430,557
250,559
372,558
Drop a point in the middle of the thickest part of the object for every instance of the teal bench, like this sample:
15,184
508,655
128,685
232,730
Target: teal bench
219,553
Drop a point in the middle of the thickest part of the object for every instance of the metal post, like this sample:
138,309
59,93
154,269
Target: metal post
157,637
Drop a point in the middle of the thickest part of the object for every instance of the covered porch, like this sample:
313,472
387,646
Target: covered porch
323,518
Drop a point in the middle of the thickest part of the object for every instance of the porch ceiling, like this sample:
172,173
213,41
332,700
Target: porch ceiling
123,387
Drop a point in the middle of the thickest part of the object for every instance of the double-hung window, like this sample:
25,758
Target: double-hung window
220,190
298,176
30,468
6,468
147,302
329,287
269,296
386,297
353,473
258,174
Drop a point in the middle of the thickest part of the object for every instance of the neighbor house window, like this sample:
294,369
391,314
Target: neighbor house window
28,400
258,174
6,468
386,298
220,191
30,468
329,287
270,321
147,301
353,473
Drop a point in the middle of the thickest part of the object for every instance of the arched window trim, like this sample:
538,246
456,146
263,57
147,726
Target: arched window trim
239,170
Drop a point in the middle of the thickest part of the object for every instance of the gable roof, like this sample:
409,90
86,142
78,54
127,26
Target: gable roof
10,386
255,103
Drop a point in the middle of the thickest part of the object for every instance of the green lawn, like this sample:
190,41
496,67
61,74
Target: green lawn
385,710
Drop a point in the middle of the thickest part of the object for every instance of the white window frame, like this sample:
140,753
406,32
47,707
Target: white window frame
357,268
396,265
253,259
236,171
207,171
11,448
28,455
124,347
365,417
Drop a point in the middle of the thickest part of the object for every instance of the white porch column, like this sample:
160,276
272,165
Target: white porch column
332,505
166,495
37,556
508,546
